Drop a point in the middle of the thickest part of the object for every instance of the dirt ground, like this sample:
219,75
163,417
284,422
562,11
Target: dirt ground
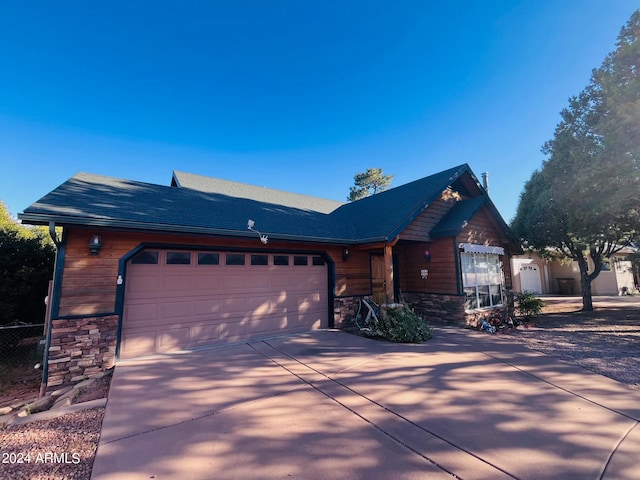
606,340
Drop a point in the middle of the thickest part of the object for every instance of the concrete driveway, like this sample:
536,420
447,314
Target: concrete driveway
329,405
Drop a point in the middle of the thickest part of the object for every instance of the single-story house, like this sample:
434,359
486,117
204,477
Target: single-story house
535,274
144,269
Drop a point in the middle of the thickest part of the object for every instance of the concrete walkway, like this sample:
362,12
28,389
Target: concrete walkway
329,405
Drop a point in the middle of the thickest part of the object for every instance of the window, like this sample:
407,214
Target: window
281,259
299,260
481,279
145,257
208,258
259,259
317,261
178,258
235,259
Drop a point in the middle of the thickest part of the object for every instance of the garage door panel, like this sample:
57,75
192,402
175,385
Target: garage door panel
171,310
144,284
233,327
173,339
177,283
172,307
282,280
246,305
202,334
141,343
140,312
206,307
207,283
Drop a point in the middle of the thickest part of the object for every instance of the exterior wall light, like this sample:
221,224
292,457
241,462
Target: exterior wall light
95,244
427,255
345,255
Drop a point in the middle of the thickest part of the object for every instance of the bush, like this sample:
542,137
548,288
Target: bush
527,305
402,325
26,266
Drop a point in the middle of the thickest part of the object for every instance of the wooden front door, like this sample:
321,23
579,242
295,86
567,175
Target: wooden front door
377,279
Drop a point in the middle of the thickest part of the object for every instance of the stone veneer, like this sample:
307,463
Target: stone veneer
446,308
345,310
81,347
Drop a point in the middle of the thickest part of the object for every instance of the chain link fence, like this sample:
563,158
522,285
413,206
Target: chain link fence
21,346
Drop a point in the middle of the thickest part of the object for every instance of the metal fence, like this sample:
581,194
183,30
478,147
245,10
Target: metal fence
21,343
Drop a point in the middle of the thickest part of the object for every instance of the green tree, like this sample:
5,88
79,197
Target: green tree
586,197
368,183
26,266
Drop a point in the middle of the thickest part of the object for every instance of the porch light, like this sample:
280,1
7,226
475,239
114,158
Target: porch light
95,244
427,255
345,255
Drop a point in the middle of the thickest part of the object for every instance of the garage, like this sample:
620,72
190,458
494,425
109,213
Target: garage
177,299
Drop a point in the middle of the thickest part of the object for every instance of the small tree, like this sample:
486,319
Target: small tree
368,183
26,266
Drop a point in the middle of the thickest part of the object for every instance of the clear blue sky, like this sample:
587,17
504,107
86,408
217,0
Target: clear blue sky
293,95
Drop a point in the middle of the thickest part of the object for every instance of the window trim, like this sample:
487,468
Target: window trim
493,270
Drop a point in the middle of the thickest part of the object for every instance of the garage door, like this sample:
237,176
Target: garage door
181,299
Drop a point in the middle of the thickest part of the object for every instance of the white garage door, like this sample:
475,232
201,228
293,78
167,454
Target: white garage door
181,299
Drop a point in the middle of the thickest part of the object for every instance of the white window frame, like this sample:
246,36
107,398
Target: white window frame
482,280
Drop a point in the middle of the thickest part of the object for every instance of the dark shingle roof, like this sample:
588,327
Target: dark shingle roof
218,207
458,217
251,192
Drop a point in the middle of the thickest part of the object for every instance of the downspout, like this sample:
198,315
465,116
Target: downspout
456,254
53,235
53,308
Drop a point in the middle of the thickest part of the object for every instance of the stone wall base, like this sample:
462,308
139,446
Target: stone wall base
448,309
80,347
345,310
437,308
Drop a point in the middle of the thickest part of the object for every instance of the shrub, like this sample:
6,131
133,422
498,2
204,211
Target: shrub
26,266
402,325
528,305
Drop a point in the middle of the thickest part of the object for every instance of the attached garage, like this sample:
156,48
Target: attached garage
176,299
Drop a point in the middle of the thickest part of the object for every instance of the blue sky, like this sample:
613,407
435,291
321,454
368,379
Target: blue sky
293,95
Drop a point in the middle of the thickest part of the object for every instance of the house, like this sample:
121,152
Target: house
535,274
144,269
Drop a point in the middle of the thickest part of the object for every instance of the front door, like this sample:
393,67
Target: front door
377,279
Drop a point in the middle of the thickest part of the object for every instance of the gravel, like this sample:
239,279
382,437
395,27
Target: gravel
606,341
59,449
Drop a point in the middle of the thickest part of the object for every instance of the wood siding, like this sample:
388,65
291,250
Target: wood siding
418,230
483,230
442,277
89,283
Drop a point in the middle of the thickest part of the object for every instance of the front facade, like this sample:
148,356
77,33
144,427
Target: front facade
145,269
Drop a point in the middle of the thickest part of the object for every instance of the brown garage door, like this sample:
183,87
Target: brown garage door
181,299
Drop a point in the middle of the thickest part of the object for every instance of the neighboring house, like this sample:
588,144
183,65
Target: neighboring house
535,274
144,269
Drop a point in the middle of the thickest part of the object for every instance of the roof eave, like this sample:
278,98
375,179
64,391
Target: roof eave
45,219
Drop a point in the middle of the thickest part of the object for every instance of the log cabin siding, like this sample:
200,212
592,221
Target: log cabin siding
442,269
482,229
418,230
89,283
